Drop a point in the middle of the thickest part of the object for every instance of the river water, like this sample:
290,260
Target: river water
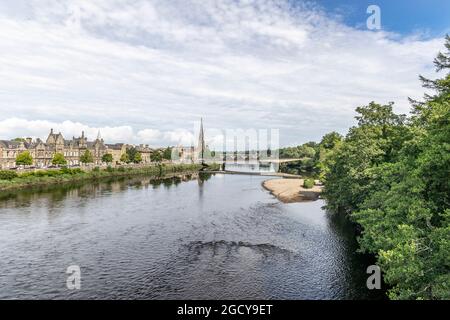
212,237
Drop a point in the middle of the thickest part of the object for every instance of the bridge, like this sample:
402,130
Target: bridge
279,160
250,161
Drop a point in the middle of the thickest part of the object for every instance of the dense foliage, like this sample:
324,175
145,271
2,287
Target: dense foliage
308,183
58,159
133,155
87,157
7,174
107,158
156,156
10,179
306,150
314,158
167,153
24,158
391,174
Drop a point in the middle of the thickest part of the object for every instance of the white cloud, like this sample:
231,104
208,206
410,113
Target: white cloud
147,70
41,128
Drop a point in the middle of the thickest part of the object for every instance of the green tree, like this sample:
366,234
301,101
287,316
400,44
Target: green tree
124,158
324,158
86,157
167,154
157,157
133,155
137,157
377,138
24,158
330,140
131,152
392,175
107,158
58,159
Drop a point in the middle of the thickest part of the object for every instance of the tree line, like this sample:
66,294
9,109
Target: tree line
391,175
131,155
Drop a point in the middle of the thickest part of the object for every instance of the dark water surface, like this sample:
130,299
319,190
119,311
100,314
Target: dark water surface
216,237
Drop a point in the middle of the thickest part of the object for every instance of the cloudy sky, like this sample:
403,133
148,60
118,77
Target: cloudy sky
146,71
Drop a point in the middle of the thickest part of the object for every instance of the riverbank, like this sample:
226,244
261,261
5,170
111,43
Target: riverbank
66,175
291,190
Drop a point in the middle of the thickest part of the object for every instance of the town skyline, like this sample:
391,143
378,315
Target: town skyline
285,64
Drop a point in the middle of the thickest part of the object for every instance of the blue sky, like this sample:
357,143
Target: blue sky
145,71
430,17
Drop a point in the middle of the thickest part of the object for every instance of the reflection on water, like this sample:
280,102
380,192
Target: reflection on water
254,166
220,236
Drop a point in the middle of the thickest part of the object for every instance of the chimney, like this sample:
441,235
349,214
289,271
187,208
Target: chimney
51,131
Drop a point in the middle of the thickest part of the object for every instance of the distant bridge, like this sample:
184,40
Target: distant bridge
279,160
242,161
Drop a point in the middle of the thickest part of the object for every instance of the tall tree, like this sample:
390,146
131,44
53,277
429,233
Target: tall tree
167,154
124,158
87,157
107,158
392,176
58,159
24,158
137,157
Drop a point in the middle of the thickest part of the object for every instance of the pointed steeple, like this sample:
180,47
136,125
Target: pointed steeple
201,141
99,136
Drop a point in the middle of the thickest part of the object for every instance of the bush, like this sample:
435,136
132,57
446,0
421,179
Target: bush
109,169
121,169
7,175
76,171
52,173
308,183
27,174
41,173
96,169
66,170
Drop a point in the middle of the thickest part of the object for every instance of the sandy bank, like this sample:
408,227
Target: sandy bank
291,190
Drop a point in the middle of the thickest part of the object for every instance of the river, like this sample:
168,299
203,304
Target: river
212,237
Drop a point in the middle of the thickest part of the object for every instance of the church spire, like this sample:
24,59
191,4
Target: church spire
99,136
201,141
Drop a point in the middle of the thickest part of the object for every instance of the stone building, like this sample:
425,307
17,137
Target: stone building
192,154
116,150
43,152
145,152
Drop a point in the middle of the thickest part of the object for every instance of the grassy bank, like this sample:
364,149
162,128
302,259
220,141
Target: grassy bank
10,180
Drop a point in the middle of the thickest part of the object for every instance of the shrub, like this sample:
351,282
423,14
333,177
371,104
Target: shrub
96,169
41,173
76,171
308,183
65,170
7,175
109,169
27,174
53,173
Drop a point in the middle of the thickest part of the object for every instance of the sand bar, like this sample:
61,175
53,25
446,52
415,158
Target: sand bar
291,190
